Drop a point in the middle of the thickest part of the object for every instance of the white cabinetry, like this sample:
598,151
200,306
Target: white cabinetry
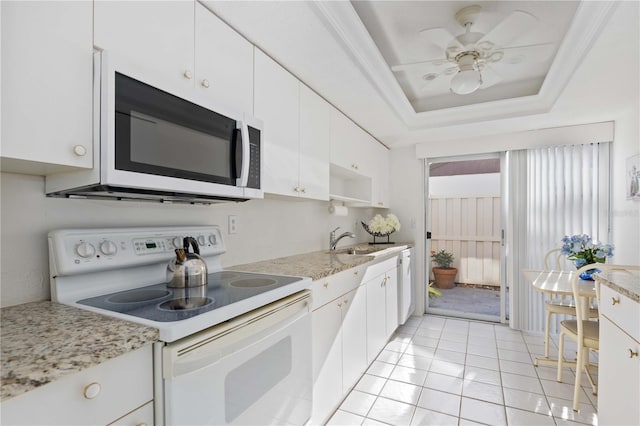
183,45
157,35
119,390
223,62
382,305
619,360
47,97
380,179
339,340
296,123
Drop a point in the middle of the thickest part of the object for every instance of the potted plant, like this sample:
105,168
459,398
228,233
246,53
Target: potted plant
444,274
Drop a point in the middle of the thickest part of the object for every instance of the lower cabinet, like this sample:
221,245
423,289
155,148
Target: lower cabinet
618,360
338,350
349,330
117,391
382,308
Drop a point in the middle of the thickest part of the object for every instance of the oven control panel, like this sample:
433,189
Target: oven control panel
75,251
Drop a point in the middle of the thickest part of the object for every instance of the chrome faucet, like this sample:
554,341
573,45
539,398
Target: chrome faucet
333,241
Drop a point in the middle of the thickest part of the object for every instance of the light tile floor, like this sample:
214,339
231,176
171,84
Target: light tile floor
445,371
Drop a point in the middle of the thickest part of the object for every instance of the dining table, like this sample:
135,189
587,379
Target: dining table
558,283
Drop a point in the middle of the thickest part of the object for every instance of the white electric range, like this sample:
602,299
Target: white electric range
240,355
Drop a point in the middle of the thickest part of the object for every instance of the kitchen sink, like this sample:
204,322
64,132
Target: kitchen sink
356,251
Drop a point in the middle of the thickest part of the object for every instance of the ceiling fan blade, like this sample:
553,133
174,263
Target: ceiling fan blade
437,63
512,27
438,83
440,37
489,77
531,53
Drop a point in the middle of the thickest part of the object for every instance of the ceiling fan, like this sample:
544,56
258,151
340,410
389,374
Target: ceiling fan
467,58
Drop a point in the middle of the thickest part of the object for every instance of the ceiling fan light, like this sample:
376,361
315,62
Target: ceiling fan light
466,81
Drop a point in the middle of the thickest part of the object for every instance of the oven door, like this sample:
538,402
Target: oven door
252,370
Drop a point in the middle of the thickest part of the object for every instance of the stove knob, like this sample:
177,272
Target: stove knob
108,248
201,240
85,250
213,239
177,242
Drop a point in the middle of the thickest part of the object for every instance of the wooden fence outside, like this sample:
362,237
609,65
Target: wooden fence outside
469,227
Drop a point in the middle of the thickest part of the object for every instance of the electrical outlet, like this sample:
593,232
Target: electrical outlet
233,224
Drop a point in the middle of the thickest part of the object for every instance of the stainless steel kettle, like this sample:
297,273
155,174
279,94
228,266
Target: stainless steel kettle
187,269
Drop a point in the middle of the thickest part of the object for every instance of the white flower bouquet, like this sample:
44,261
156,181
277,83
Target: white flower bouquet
380,226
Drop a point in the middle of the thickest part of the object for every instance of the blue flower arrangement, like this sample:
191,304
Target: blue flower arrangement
583,251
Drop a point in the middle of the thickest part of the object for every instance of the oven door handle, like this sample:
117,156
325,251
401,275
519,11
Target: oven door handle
180,361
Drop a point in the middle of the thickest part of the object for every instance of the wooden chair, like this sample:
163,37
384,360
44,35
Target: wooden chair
584,331
556,304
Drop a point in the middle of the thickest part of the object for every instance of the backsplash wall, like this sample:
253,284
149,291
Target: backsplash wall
267,229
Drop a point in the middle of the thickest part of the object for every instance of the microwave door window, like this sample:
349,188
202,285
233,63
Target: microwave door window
161,143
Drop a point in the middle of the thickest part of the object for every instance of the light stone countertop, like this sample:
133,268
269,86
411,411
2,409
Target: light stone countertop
624,283
321,264
44,341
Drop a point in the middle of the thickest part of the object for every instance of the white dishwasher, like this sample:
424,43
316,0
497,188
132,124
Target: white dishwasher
406,299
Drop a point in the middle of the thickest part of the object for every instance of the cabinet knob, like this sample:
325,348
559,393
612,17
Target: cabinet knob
79,150
141,424
303,190
325,285
339,305
355,272
633,354
354,166
92,390
615,300
205,83
296,189
187,74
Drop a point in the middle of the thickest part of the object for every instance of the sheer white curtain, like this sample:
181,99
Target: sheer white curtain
555,191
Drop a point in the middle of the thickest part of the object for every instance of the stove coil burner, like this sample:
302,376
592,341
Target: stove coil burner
138,296
253,283
186,303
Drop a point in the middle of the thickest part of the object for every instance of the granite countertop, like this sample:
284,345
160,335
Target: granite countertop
44,341
320,264
627,284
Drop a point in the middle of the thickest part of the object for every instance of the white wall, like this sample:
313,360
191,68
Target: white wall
486,184
267,229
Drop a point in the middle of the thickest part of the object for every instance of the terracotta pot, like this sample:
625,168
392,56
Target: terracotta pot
444,278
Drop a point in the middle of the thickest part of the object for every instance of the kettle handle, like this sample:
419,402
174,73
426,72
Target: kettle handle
194,244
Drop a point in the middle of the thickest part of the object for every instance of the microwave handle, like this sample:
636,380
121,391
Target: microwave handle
243,180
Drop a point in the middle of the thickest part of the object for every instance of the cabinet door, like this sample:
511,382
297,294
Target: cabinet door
314,145
391,300
326,354
156,35
345,136
618,375
47,88
376,317
380,176
276,103
354,336
223,62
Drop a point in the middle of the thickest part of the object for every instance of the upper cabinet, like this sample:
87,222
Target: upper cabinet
182,44
157,35
296,135
223,62
47,100
381,175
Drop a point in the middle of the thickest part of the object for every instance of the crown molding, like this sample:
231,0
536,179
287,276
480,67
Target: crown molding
341,19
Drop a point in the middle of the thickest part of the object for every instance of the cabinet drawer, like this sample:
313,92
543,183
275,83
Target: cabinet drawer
97,395
621,310
326,289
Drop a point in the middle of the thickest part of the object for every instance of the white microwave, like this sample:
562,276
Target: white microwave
153,143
